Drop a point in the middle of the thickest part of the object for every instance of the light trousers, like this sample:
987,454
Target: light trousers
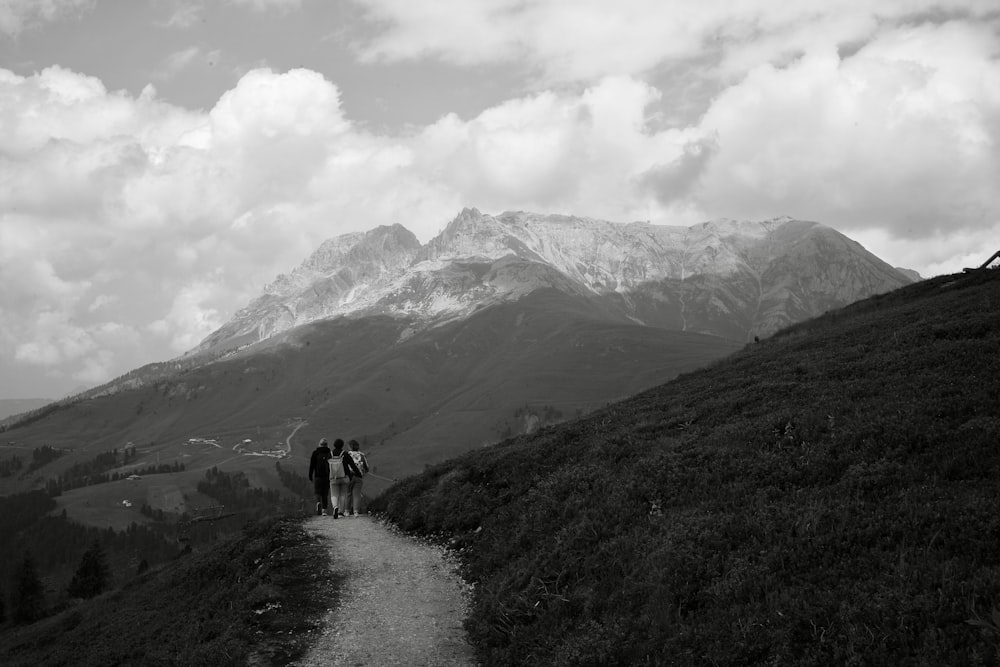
338,491
355,489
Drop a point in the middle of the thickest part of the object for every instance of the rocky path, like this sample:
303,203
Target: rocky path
402,601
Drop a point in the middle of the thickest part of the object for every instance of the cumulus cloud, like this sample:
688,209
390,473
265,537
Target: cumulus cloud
897,135
575,152
116,208
130,228
18,15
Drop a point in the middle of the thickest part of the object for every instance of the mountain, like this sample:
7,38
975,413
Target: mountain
500,325
734,279
825,497
336,279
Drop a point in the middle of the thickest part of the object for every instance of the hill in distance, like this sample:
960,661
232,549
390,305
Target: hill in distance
412,396
825,497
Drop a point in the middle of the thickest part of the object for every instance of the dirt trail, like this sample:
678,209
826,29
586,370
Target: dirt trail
402,601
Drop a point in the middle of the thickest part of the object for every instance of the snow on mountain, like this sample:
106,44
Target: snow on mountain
725,277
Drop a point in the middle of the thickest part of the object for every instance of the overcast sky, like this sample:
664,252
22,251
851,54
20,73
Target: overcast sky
162,160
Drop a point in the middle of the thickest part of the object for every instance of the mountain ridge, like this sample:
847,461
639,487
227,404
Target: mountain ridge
731,278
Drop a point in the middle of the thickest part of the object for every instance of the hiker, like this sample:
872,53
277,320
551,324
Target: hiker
319,475
342,468
354,486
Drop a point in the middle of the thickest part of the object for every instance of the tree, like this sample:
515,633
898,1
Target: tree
93,574
27,600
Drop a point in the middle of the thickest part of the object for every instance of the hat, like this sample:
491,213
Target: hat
322,442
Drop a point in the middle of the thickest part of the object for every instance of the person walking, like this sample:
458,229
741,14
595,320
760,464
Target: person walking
354,486
342,469
319,475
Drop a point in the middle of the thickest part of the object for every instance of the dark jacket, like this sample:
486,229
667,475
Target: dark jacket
319,462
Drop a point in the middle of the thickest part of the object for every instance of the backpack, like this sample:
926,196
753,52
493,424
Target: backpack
360,461
337,471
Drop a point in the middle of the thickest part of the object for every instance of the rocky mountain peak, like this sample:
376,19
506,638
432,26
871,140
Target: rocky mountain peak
732,278
381,250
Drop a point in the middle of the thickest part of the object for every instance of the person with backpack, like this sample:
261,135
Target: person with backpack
319,475
342,468
354,486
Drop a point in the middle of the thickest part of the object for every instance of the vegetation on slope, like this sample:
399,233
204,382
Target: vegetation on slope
410,394
55,544
827,496
254,599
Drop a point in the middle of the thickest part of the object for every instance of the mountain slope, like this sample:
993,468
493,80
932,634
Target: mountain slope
824,497
412,395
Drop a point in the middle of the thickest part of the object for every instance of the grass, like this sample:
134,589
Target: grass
255,599
827,496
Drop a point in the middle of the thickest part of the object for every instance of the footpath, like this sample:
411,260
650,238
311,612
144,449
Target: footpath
401,601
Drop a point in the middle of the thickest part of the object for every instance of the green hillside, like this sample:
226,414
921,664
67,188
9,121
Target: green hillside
411,397
828,496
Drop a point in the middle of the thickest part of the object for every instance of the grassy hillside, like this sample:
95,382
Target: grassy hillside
255,599
414,401
828,496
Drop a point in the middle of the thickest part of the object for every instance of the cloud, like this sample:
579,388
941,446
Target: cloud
574,152
676,180
102,300
184,16
942,252
96,369
19,15
268,5
130,228
586,40
57,341
127,209
898,135
178,61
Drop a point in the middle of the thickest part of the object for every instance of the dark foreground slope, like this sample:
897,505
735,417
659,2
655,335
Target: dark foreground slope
255,599
828,496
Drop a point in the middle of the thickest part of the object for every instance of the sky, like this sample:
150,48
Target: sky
162,161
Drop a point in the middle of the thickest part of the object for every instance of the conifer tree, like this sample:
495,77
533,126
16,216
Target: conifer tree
27,600
92,575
